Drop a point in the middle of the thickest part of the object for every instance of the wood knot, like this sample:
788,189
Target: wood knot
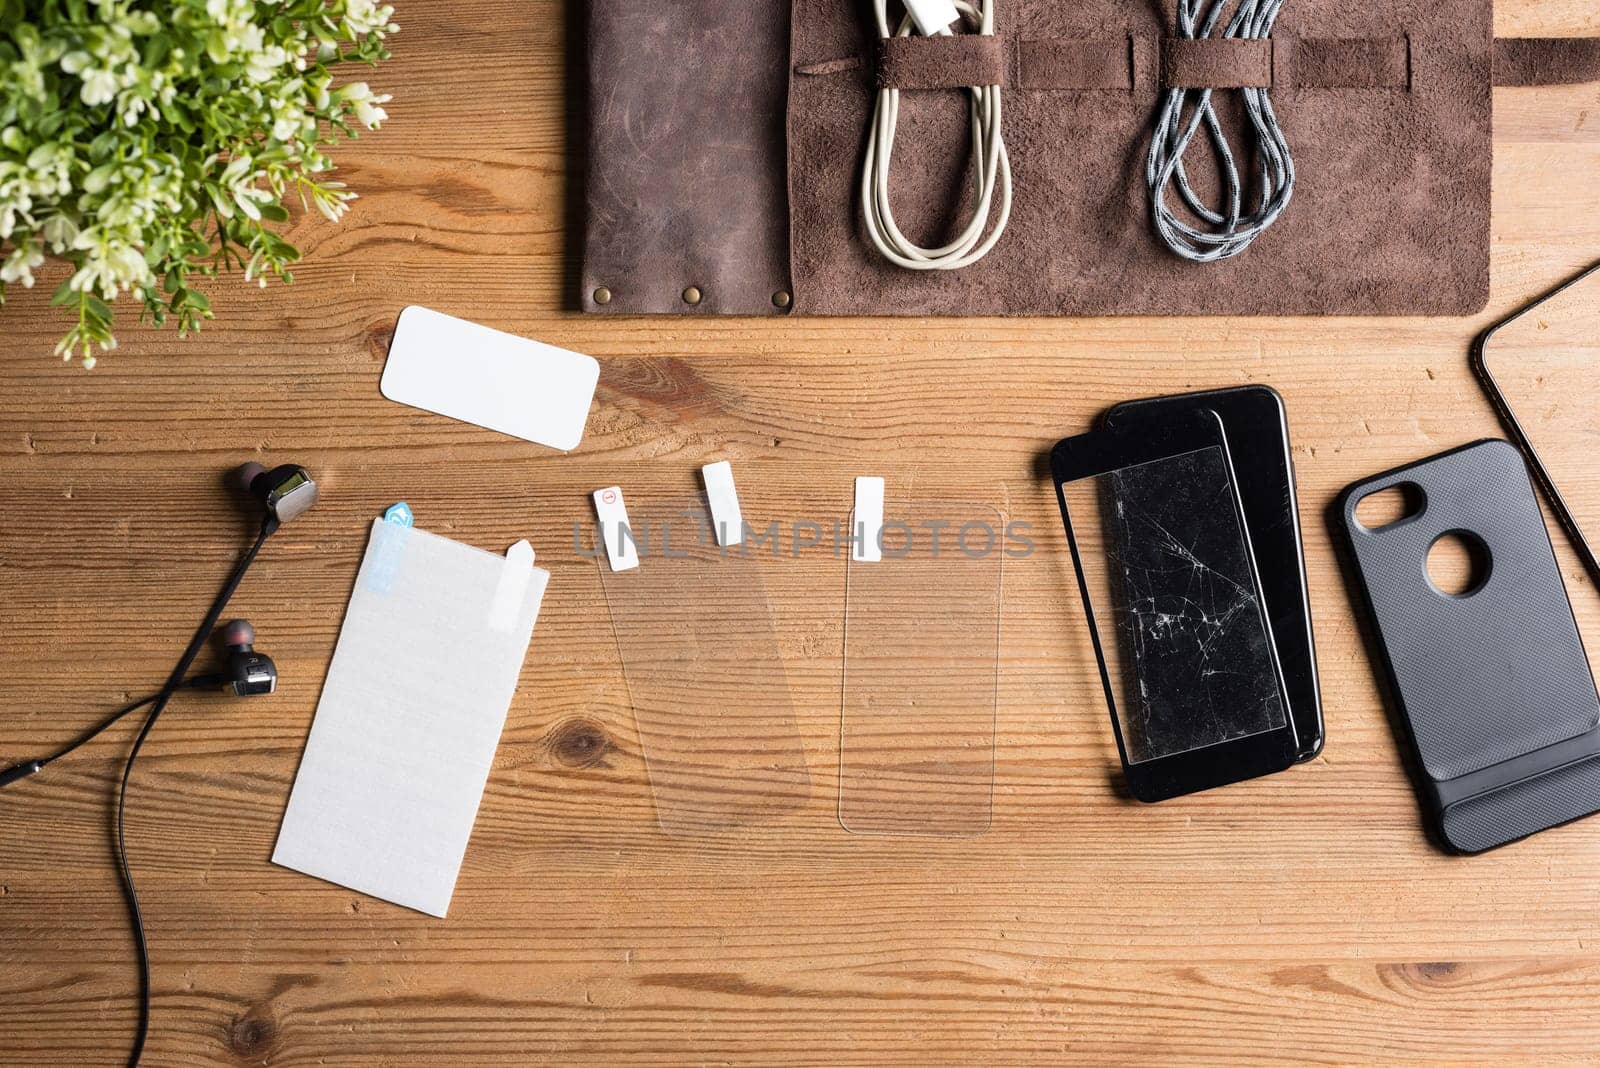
253,1035
1427,974
380,336
665,384
579,743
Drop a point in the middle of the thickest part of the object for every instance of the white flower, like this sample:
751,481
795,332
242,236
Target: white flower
238,168
290,121
252,38
109,266
369,115
13,210
100,79
249,200
239,179
264,64
334,207
99,87
332,200
130,106
18,267
360,96
60,231
365,16
229,13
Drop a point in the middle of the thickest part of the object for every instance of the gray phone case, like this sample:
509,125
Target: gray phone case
1492,685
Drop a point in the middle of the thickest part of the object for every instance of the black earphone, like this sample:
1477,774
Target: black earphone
250,674
285,492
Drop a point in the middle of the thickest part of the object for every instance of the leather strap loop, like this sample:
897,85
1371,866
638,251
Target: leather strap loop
1215,63
1341,63
1546,60
962,60
1286,63
1075,63
952,62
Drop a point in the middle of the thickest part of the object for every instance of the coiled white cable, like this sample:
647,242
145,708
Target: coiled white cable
993,168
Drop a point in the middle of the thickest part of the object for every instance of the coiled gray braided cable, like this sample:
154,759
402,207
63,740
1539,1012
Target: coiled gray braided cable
1228,230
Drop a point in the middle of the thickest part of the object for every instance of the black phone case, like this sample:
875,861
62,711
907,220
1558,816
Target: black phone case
1257,429
1492,685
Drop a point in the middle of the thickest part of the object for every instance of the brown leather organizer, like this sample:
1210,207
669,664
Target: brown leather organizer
726,144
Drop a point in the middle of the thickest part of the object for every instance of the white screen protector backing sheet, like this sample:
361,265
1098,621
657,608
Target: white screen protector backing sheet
705,677
405,732
921,655
507,383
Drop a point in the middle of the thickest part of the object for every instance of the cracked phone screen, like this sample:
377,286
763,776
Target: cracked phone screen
1173,594
705,676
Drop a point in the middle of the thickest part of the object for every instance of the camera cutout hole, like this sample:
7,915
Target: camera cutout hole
1458,563
1386,507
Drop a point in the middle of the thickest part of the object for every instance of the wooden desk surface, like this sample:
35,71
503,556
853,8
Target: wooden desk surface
1301,917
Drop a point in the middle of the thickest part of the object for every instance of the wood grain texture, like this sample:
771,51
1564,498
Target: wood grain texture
1299,918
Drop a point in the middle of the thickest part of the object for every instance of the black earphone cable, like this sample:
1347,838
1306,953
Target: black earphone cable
194,683
174,682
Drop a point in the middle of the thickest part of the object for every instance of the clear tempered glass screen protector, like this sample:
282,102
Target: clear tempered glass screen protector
921,650
704,674
1173,597
1547,365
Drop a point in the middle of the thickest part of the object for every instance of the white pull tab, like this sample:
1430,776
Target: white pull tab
866,524
726,518
614,529
513,584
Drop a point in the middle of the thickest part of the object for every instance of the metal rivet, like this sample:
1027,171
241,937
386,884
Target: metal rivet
602,295
691,295
780,299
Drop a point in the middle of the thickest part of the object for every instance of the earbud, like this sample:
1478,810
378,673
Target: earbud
287,490
249,673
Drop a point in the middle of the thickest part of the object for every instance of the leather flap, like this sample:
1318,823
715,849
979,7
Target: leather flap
1546,60
686,200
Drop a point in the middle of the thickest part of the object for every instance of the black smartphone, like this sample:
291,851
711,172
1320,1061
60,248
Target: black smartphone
1256,427
1174,603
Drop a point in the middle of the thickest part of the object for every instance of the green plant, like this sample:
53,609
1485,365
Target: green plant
153,144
